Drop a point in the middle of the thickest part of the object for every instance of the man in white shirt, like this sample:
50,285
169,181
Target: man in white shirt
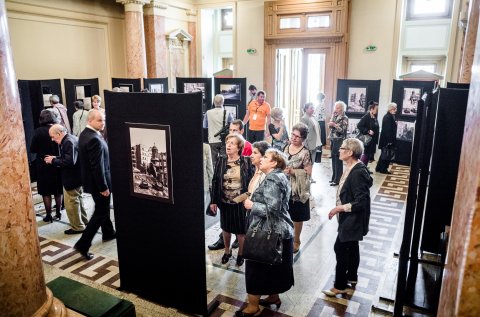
215,120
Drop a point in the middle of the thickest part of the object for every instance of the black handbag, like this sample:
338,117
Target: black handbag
388,153
264,246
364,138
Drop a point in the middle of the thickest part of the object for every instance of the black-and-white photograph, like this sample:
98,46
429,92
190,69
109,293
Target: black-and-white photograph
352,127
405,130
410,101
126,87
230,91
232,109
157,88
356,99
46,100
194,87
151,161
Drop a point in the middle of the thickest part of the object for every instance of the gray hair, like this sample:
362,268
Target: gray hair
218,100
93,114
57,129
54,99
49,116
391,106
342,104
354,145
276,113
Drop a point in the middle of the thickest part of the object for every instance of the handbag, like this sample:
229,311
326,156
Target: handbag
264,246
364,138
388,153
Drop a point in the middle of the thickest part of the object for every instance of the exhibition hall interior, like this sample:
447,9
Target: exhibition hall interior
156,71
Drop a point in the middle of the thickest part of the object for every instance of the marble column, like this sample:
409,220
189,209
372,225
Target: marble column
192,51
135,38
460,294
22,283
469,42
156,40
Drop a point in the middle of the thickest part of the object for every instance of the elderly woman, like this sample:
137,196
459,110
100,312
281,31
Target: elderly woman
278,129
49,181
353,212
299,169
338,132
314,138
271,198
388,137
368,124
230,179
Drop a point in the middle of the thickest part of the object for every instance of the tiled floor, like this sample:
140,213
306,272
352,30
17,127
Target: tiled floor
314,264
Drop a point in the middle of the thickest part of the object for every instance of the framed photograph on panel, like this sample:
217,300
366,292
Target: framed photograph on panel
151,161
410,101
407,93
126,87
191,85
357,93
233,110
46,100
405,130
156,85
231,92
357,99
352,127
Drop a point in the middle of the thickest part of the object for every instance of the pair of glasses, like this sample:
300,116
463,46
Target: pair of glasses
344,148
296,136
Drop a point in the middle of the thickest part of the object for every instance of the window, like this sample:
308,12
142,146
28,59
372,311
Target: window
429,9
431,64
290,23
318,21
431,68
227,19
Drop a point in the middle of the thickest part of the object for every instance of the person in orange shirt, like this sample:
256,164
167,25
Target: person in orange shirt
258,114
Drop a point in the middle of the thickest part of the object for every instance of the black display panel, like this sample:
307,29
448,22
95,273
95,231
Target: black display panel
192,85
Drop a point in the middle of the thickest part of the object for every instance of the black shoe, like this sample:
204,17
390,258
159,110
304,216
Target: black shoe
267,303
71,231
240,260
226,257
333,184
235,244
217,245
58,216
240,313
87,255
108,238
48,218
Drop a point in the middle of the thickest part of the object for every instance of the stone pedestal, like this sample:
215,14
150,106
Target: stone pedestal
135,38
156,40
22,283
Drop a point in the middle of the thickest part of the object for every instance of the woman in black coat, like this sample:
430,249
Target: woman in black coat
369,125
388,137
49,180
353,213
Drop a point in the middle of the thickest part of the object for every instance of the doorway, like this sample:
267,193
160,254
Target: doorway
299,77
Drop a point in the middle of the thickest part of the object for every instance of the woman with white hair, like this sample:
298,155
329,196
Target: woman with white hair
338,132
388,138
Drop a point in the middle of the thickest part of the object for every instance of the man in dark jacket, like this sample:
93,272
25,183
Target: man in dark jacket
70,171
95,171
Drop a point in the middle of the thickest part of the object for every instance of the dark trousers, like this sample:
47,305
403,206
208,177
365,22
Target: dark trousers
254,136
348,260
100,218
382,166
337,164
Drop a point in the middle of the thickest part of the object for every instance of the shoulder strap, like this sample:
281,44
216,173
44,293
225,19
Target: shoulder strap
224,114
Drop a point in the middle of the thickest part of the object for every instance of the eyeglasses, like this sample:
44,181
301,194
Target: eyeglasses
296,136
344,148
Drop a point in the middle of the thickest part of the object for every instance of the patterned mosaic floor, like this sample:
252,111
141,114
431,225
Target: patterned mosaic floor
314,264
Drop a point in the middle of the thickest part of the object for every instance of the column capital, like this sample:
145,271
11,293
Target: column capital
191,12
133,5
155,7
